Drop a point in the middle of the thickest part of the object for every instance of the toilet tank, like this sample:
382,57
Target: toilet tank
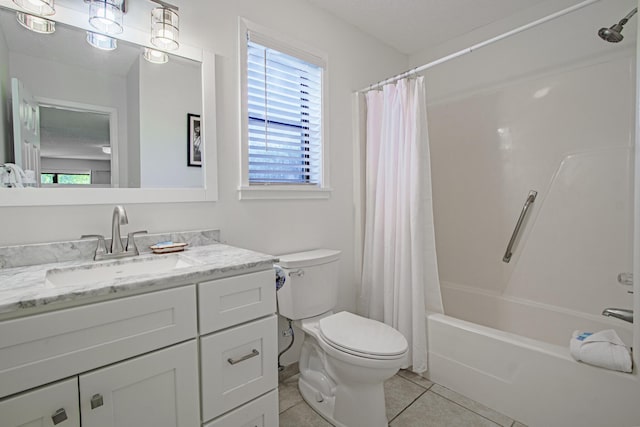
311,283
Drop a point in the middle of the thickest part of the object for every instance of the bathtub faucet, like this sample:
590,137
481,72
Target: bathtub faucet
619,313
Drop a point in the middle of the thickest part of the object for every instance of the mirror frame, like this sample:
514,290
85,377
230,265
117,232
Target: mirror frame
97,196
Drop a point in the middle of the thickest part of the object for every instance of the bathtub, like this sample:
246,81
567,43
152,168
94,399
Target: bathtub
524,368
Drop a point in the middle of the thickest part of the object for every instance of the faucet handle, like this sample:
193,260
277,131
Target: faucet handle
131,241
625,279
101,249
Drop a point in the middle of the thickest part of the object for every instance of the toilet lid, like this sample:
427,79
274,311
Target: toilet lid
361,335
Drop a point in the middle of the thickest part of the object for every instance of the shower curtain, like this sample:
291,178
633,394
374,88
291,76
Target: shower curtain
400,273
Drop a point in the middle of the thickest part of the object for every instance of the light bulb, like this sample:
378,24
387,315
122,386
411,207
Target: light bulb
106,16
165,28
36,23
155,56
39,7
101,41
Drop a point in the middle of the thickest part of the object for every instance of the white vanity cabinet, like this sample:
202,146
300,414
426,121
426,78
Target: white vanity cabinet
47,347
95,343
159,389
238,350
148,360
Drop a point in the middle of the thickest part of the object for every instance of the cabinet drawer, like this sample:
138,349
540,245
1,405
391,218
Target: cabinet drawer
46,347
261,412
234,300
238,365
37,407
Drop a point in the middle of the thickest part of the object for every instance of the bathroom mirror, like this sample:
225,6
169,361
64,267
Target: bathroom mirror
113,127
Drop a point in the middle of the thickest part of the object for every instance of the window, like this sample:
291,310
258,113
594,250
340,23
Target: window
282,105
65,178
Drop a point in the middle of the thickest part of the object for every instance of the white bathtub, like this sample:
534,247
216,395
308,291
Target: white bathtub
532,380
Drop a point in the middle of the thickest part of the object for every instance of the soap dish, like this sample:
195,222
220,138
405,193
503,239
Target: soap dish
163,248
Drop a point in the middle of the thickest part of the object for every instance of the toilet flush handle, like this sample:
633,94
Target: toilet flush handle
298,273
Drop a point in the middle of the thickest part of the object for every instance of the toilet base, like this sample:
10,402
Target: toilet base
323,408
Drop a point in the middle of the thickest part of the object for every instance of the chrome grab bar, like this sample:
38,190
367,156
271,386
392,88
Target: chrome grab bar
530,199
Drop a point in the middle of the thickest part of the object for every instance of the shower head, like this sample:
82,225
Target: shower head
613,34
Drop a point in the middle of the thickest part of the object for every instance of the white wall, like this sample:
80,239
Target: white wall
62,164
5,100
169,91
528,113
276,227
132,153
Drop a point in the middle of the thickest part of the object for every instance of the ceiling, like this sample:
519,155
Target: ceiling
410,26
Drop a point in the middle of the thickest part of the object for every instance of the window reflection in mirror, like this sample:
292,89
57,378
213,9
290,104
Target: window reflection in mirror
104,118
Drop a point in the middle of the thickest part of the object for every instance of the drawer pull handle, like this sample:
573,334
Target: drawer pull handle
253,353
96,401
59,416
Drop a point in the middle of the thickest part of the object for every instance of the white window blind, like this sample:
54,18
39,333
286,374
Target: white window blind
285,117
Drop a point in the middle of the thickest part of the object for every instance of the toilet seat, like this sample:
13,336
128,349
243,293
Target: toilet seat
362,337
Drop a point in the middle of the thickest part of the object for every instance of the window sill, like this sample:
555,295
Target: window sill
280,192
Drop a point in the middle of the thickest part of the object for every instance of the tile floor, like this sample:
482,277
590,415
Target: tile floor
411,401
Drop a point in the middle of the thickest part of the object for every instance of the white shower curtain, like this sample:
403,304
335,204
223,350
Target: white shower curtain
400,273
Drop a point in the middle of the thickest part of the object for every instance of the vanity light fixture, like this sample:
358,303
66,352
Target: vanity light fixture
106,15
165,26
39,7
101,41
155,56
36,23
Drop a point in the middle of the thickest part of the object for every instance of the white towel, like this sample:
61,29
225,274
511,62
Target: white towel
604,349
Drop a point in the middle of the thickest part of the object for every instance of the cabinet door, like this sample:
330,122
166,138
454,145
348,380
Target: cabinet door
159,389
53,405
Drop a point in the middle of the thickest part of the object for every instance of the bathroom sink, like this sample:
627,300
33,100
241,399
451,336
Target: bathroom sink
102,272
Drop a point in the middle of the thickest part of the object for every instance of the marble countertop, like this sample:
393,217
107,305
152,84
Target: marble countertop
25,290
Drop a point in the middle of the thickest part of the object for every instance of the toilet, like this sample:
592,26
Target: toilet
345,358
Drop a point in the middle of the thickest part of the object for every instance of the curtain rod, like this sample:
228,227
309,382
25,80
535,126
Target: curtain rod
479,45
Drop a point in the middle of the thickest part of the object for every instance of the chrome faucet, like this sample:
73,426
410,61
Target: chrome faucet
619,313
117,249
119,218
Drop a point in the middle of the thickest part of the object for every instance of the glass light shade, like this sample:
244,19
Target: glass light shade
164,28
106,16
101,41
35,23
155,56
39,7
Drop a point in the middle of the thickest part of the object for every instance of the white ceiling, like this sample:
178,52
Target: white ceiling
410,26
